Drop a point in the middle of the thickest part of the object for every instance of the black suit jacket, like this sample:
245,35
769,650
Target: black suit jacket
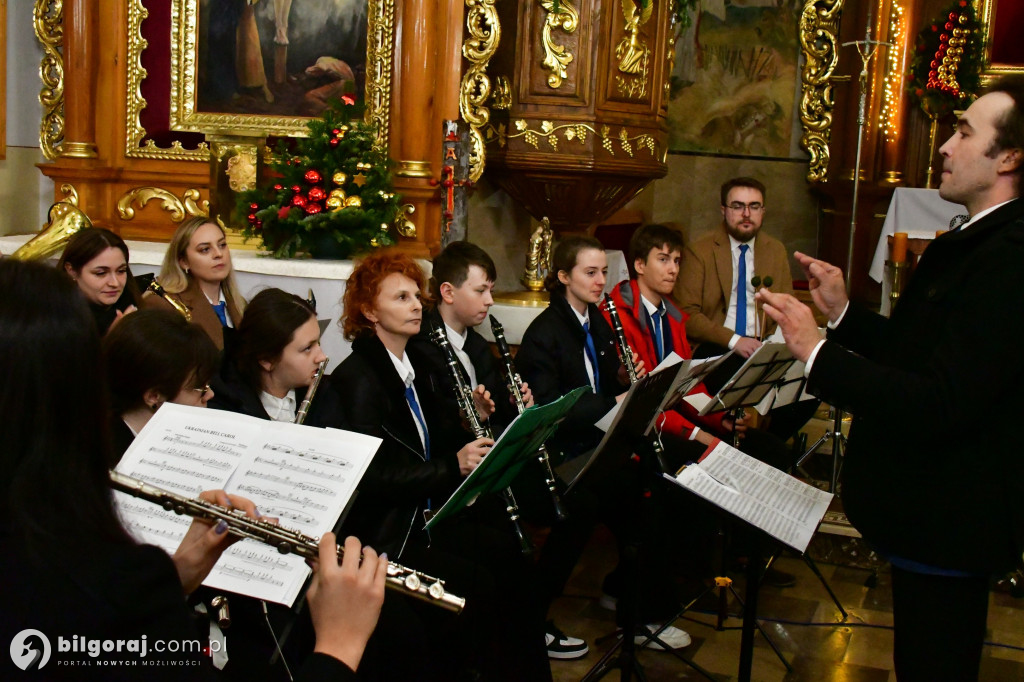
550,359
934,471
485,364
400,479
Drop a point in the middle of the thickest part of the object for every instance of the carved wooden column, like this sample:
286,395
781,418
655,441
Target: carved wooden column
80,46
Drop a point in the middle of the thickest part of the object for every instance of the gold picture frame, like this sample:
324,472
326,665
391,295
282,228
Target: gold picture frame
990,69
186,116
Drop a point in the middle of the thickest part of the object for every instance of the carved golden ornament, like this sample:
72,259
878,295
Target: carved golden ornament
65,220
134,132
379,48
484,35
538,256
403,225
190,203
632,51
572,131
819,38
557,57
48,20
241,171
501,93
414,169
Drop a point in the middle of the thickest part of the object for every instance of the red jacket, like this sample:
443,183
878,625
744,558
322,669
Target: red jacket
638,335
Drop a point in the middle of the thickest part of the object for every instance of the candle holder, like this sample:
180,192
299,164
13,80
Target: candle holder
897,271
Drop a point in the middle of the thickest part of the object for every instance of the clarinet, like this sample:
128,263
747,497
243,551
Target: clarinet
626,356
405,580
514,382
300,414
464,397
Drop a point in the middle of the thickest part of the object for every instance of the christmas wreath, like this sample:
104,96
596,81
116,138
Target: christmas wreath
945,73
331,196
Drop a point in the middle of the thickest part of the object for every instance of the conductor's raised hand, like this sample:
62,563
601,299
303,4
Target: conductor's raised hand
794,319
825,281
472,454
345,599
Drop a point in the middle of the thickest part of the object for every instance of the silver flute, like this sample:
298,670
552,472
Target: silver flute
300,414
464,396
514,382
405,580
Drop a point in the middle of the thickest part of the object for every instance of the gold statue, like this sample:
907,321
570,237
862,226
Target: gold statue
631,50
538,256
65,220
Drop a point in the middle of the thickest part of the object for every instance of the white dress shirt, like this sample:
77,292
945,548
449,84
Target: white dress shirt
404,368
745,276
458,342
279,409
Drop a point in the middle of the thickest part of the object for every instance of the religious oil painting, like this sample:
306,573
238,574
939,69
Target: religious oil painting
736,78
267,65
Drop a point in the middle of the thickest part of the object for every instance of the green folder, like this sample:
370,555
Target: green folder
513,449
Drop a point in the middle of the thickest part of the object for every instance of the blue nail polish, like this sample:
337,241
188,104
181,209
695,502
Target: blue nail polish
222,527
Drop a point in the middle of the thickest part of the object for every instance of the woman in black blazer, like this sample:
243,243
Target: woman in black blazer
555,358
385,390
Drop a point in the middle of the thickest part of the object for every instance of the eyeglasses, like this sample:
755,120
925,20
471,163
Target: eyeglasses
203,391
739,207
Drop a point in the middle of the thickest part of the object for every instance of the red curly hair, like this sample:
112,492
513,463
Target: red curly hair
364,284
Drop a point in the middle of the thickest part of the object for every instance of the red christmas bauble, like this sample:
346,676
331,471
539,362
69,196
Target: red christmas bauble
316,194
296,188
298,200
312,208
312,176
334,142
252,218
254,207
278,187
258,225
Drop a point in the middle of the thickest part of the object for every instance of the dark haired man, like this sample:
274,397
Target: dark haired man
936,494
461,284
715,288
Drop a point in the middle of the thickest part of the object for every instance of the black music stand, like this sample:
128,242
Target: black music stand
629,434
750,501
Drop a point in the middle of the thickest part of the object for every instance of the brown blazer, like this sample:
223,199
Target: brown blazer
202,312
705,282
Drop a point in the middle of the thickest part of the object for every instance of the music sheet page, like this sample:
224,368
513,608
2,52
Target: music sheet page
301,475
777,503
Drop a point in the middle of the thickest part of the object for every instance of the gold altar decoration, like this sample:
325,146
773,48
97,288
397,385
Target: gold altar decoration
819,39
538,257
632,50
65,220
185,113
189,205
484,36
557,57
236,161
403,225
48,20
991,70
578,152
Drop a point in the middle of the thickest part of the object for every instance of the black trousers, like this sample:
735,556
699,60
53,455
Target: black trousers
939,626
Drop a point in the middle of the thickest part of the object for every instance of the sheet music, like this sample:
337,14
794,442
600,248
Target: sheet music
302,475
775,502
765,367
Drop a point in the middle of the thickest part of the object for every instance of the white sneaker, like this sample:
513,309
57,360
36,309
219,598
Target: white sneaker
561,646
672,636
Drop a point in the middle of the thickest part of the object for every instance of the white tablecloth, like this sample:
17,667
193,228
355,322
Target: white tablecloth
918,212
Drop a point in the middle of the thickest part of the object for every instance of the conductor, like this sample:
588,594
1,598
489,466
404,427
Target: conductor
933,476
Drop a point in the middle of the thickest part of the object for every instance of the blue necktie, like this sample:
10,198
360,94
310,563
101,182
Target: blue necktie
222,312
659,339
741,293
592,354
410,397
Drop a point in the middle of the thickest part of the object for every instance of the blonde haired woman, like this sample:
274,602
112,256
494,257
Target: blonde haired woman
197,273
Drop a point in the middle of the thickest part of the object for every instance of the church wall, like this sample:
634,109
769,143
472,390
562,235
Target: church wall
25,194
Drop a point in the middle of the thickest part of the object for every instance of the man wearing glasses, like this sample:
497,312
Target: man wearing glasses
714,286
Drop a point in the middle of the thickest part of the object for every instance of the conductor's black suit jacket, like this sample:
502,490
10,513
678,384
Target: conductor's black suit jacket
935,466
